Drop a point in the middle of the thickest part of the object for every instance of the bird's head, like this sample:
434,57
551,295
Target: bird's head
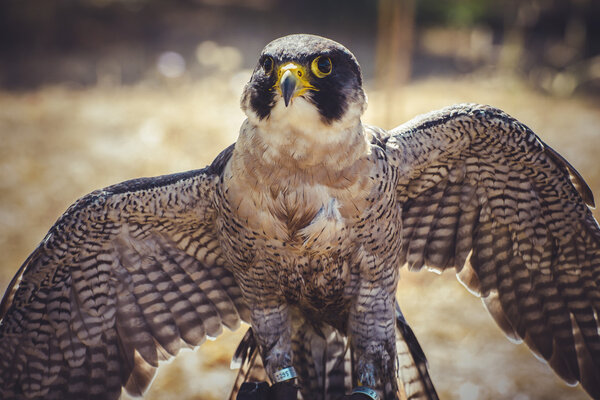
305,80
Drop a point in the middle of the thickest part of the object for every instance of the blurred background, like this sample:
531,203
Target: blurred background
93,92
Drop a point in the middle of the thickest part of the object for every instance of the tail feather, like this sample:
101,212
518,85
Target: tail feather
412,363
250,363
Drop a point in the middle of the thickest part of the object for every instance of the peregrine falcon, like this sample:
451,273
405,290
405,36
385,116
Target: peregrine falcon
300,229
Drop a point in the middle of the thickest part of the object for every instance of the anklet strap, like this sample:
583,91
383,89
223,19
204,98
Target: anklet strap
366,391
284,375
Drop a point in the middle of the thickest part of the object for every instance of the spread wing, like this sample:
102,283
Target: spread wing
127,277
481,193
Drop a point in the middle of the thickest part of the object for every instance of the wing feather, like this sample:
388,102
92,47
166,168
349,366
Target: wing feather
480,192
127,277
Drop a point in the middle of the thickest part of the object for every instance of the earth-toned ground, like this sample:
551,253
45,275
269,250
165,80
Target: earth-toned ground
57,144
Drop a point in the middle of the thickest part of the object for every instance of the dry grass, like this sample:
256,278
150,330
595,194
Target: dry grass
57,144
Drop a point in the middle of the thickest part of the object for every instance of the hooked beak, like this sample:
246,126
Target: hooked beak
292,82
288,84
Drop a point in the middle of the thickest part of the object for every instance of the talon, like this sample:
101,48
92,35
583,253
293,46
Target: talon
261,391
283,391
355,396
253,391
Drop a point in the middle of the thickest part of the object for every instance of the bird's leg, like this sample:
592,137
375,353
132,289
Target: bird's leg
371,329
270,321
272,331
271,326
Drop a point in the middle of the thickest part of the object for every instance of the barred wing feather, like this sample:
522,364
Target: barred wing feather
127,277
481,193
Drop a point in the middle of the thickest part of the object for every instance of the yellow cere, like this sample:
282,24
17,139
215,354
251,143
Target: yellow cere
301,75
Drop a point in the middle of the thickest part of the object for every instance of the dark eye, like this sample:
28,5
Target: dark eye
267,65
321,66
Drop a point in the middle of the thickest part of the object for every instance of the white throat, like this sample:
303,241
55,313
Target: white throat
299,132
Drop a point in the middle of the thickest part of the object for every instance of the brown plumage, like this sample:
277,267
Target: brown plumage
300,229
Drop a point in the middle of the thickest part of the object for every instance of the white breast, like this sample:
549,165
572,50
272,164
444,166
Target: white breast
325,228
